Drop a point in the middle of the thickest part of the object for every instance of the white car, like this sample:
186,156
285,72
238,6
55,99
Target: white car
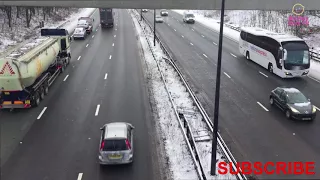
164,12
144,10
159,19
80,33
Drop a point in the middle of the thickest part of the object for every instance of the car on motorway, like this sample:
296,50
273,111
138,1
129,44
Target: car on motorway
159,19
188,17
79,33
293,102
144,10
116,143
164,12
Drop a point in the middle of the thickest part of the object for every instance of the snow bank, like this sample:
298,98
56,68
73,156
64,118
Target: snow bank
181,164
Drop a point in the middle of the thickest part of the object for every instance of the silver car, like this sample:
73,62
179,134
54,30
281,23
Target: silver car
159,19
116,143
79,33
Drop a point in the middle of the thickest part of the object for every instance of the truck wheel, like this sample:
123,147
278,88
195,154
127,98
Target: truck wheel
36,99
42,93
46,88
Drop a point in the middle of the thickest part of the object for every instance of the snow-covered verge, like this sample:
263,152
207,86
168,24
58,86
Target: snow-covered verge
23,35
276,21
180,162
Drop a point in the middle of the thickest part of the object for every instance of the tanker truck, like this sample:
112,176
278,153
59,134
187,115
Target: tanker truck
28,72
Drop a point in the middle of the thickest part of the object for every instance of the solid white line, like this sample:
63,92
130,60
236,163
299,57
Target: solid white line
87,45
79,58
233,55
263,74
175,30
214,43
112,44
66,77
96,29
205,55
191,44
105,76
116,29
115,35
317,108
43,110
110,56
97,110
192,29
227,74
182,36
262,106
202,36
80,176
92,36
314,79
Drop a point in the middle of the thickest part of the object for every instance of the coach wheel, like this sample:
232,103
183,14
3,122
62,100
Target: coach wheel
247,56
271,101
270,68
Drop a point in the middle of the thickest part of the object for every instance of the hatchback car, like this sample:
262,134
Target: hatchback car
116,143
293,103
159,19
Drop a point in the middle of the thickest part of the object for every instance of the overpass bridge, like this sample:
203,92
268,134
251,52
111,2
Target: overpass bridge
173,4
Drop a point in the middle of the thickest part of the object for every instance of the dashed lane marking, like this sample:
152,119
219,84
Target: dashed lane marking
97,110
79,58
262,106
226,74
42,112
263,74
66,78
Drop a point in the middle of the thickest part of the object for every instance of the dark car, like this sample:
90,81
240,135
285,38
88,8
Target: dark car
293,103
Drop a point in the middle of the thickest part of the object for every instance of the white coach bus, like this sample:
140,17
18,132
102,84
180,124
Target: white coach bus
284,55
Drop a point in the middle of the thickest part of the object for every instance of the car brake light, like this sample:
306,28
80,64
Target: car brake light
102,145
128,144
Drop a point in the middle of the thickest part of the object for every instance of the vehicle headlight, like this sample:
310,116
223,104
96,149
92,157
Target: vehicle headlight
294,110
288,74
314,109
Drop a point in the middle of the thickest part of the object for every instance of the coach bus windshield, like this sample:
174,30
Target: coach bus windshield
297,53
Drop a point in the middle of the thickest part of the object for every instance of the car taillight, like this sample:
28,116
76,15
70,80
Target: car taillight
102,145
128,144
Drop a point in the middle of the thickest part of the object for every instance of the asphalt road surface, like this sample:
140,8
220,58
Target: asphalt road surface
253,130
104,83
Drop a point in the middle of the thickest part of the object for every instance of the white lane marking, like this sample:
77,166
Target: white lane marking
66,77
168,24
116,29
115,36
233,55
174,29
97,110
262,106
205,55
226,74
42,112
106,76
92,36
110,56
263,74
316,107
202,36
192,29
182,36
87,45
80,176
112,44
191,44
214,43
96,29
79,58
314,79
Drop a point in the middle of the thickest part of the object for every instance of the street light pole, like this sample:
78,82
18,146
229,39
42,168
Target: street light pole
217,95
154,27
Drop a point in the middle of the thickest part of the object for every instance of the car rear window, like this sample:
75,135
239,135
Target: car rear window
115,145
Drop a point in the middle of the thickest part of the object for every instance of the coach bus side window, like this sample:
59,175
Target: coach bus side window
243,35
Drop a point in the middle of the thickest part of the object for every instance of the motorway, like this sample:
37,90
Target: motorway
253,129
60,138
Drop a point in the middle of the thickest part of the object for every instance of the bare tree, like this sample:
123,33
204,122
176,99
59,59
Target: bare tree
8,11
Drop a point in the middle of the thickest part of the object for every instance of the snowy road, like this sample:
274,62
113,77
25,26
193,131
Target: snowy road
253,129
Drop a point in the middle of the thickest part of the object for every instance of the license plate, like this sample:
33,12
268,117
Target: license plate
27,102
306,118
115,156
7,93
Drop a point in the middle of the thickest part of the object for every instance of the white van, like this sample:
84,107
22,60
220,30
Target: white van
188,17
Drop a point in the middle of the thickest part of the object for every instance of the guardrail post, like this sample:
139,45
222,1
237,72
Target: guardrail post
154,27
216,103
